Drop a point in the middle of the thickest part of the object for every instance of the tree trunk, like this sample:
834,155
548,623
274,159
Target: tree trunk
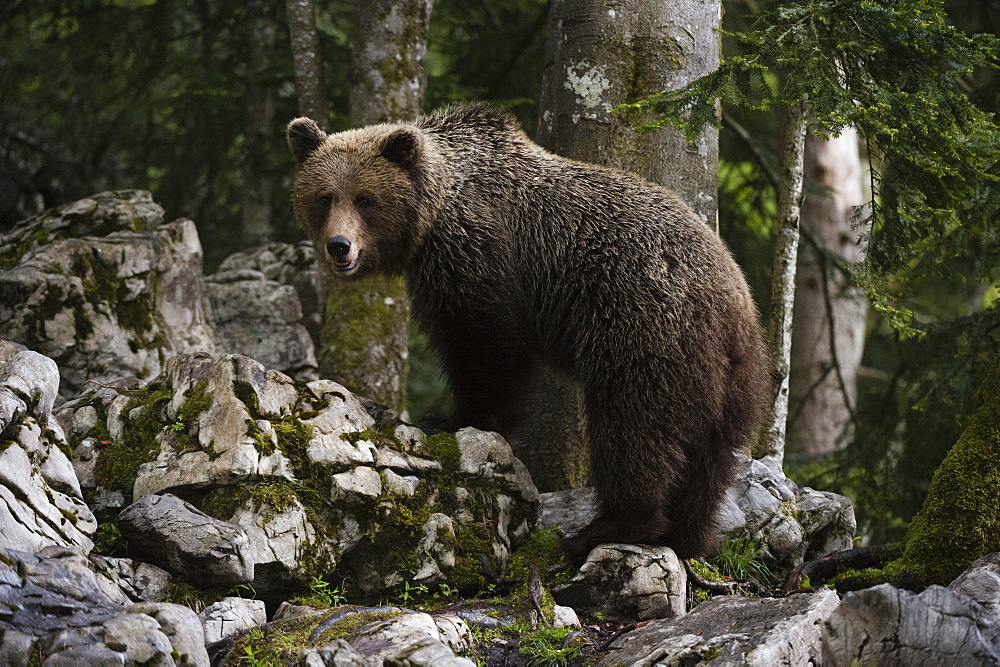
603,53
388,74
600,54
786,244
306,60
829,317
364,340
258,125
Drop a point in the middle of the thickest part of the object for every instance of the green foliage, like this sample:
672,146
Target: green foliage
910,413
739,558
321,595
544,647
891,68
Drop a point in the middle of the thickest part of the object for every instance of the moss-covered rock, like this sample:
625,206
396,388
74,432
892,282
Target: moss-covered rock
321,490
105,288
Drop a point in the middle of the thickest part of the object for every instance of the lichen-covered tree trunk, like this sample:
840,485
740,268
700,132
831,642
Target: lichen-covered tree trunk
363,344
306,60
258,124
829,316
786,244
600,54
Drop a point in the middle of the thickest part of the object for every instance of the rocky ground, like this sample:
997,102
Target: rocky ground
177,486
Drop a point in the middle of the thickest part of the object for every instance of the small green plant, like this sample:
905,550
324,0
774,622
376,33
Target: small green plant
411,593
445,591
178,425
544,648
331,597
240,589
739,558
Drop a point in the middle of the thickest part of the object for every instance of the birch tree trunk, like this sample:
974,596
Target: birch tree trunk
364,339
306,60
258,124
786,244
600,54
829,315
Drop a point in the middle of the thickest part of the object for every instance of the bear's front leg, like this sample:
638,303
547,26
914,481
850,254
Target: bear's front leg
490,386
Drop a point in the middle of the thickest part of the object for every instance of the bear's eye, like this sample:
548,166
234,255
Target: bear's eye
363,201
326,200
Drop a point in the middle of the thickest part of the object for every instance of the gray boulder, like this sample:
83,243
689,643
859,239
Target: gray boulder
957,625
787,522
627,582
292,265
53,606
307,473
732,630
261,319
185,541
105,288
230,616
41,501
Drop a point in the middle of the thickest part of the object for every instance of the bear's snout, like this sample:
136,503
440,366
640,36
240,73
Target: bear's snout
338,247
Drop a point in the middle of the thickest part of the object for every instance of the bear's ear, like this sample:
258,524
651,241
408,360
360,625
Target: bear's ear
304,137
404,147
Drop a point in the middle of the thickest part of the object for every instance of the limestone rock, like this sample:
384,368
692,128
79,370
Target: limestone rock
53,606
41,501
571,509
292,265
104,287
177,536
307,473
626,582
410,639
564,617
230,616
262,319
788,523
889,625
125,580
732,630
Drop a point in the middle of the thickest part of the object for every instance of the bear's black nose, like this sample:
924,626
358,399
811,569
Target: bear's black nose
338,246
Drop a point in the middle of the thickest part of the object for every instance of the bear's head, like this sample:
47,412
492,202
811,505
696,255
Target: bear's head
358,195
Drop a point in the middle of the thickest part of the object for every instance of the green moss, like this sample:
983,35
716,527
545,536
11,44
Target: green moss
35,239
444,448
194,598
705,571
293,441
6,560
960,518
223,501
118,462
69,516
363,319
384,436
279,642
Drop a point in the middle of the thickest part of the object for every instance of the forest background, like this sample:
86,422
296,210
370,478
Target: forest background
189,100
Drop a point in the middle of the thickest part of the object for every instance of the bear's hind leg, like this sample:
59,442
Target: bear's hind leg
631,487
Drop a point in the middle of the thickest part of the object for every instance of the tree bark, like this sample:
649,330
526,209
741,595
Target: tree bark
786,244
600,54
306,60
363,344
603,53
828,325
388,73
258,124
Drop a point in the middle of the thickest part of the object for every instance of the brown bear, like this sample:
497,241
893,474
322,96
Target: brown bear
515,257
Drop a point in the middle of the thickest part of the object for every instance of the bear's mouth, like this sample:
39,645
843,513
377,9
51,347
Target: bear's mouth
345,265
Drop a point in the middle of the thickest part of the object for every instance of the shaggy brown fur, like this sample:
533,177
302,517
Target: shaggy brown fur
516,257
